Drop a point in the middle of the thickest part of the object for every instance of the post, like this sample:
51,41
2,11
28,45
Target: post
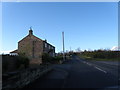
63,47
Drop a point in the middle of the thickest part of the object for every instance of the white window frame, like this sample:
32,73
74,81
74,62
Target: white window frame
45,45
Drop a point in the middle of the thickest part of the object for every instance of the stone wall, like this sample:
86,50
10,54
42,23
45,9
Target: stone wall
32,47
20,79
25,47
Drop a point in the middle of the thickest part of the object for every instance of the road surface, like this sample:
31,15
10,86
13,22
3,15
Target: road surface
79,73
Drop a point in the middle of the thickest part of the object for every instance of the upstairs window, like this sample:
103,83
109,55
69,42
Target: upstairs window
49,46
45,45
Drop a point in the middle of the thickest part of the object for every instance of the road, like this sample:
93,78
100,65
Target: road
79,73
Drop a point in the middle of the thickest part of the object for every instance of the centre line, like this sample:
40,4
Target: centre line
100,69
88,64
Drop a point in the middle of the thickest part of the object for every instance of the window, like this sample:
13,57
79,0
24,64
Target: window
45,45
52,47
49,46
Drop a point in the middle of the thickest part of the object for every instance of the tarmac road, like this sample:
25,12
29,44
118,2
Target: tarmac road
79,73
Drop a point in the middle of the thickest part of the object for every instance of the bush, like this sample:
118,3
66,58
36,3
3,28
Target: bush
24,60
48,59
57,58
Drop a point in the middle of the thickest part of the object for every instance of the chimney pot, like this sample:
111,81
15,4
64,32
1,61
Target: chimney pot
30,32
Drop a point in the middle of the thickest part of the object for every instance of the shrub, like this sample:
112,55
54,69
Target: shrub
48,59
24,60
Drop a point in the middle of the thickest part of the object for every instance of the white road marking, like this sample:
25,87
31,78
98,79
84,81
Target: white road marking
84,62
94,66
89,64
100,69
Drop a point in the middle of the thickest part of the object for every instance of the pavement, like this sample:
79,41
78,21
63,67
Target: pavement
79,73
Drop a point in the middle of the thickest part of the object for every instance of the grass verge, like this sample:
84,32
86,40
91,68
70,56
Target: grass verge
99,59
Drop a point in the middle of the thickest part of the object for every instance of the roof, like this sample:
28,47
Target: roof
15,51
31,35
38,38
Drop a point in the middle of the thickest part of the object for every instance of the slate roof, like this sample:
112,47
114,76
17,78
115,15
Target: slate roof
15,51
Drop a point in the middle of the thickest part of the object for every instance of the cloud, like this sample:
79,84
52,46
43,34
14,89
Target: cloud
115,48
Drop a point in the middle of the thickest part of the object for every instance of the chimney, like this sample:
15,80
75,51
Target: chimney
45,40
30,31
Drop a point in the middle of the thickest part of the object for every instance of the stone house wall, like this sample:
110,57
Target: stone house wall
33,47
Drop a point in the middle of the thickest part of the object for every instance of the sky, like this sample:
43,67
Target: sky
86,25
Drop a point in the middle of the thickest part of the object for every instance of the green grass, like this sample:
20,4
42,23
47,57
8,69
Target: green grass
98,59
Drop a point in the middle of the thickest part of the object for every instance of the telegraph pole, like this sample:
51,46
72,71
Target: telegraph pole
63,47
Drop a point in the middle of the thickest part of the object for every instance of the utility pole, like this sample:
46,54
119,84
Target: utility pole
63,47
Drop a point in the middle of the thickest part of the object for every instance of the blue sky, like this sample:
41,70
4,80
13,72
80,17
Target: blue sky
86,25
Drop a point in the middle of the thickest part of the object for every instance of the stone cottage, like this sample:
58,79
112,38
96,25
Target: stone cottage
33,47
